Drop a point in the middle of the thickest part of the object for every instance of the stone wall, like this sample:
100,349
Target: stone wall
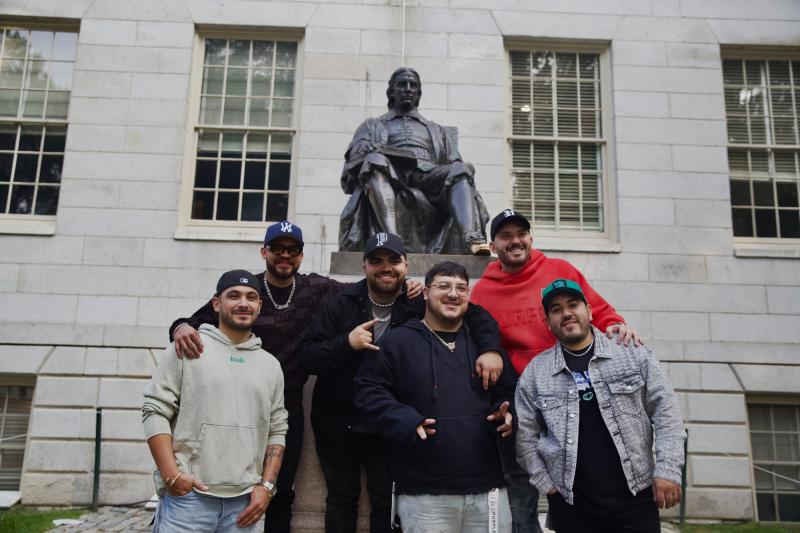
86,309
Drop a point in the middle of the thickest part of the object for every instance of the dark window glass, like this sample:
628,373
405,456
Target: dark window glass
763,193
278,177
790,224
31,139
3,197
766,507
789,507
227,205
740,193
787,194
254,175
46,201
6,162
230,175
21,200
252,206
766,225
26,167
203,205
51,169
277,206
742,223
55,139
205,174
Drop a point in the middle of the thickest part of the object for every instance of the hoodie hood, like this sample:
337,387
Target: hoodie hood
253,343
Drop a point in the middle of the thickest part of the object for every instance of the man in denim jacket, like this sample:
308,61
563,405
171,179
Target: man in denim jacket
587,410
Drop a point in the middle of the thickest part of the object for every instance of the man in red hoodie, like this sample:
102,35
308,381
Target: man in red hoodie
511,290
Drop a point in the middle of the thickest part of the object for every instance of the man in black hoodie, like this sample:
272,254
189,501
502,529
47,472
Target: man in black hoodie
420,393
341,335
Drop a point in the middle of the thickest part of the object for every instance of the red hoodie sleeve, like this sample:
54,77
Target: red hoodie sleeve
603,313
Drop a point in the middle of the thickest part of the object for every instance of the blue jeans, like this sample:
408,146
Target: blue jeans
200,513
452,513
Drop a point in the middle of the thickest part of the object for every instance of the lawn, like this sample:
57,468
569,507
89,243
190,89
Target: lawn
749,527
30,520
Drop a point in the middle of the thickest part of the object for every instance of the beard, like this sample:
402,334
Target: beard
441,318
280,274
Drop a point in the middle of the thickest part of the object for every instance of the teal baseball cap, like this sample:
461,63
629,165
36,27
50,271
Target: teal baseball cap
561,286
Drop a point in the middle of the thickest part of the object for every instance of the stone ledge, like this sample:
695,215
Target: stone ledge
350,263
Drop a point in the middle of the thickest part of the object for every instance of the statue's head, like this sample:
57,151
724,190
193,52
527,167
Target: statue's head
401,76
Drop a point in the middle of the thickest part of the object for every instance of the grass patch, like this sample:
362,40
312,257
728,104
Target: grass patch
750,527
30,520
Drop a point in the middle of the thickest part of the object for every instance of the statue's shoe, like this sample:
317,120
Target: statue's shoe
480,248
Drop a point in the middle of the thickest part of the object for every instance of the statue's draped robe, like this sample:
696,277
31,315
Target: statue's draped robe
423,218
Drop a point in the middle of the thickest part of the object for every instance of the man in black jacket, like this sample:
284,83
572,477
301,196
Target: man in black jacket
343,333
420,394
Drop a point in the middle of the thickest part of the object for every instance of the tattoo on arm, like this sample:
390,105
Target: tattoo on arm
272,462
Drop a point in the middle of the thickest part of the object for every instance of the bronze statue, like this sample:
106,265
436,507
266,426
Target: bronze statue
405,176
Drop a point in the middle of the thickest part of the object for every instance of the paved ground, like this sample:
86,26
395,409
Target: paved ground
138,519
112,519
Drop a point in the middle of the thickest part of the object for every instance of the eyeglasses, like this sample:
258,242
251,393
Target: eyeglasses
278,249
461,288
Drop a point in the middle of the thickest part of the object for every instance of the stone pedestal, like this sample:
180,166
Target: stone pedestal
350,263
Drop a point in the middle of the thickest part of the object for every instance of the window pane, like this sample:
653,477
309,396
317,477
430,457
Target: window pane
33,104
60,76
257,146
64,47
46,200
742,222
230,174
784,418
203,205
762,446
26,167
252,206
232,144
38,75
740,193
277,206
281,146
208,144
786,447
261,83
281,113
11,74
210,108
278,176
789,507
766,507
259,111
759,417
255,175
766,224
787,194
285,54
55,139
3,197
212,80
227,205
57,104
238,53
205,175
790,224
262,53
8,136
21,199
31,139
763,193
51,169
284,83
234,111
6,163
216,51
9,102
237,82
763,480
15,43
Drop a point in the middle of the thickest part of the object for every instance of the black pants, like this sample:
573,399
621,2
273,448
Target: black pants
636,514
341,453
279,513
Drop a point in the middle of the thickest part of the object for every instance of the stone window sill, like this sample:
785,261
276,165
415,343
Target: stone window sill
771,250
11,225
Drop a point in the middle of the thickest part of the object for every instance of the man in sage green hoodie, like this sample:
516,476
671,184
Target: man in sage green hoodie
216,425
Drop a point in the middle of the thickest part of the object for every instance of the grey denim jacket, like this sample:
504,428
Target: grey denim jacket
635,398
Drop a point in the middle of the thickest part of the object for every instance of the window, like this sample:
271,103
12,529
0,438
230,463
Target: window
774,436
15,409
35,82
762,103
244,132
557,142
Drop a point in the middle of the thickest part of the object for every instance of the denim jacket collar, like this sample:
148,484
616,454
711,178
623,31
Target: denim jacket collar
600,350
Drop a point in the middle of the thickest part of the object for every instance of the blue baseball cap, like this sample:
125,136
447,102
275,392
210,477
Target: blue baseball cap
284,228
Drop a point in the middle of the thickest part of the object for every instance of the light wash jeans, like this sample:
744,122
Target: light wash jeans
452,513
199,513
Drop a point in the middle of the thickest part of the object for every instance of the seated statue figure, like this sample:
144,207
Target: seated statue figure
405,176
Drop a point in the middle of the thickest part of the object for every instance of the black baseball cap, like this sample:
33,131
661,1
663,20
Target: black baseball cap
235,278
384,241
506,216
561,286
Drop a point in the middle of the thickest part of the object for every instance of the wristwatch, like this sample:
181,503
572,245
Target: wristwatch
270,487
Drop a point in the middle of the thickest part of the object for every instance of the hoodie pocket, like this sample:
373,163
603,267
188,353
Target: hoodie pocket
225,455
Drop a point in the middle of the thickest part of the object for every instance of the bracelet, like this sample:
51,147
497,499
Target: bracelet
172,481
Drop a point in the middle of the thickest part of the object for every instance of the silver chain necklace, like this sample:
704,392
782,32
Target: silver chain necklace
376,304
449,345
584,352
271,299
